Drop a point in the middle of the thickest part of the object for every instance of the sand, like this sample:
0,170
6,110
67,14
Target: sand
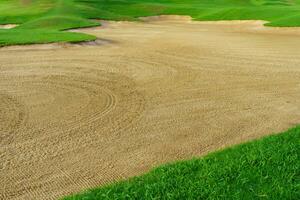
145,93
8,26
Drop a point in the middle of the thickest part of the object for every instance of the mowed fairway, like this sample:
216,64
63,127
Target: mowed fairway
75,116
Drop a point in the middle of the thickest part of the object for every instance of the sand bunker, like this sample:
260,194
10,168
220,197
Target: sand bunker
8,26
80,116
169,18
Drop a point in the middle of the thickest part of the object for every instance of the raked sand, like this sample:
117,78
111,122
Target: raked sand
145,93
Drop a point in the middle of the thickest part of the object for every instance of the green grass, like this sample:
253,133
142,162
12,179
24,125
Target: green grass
12,37
267,168
49,16
42,21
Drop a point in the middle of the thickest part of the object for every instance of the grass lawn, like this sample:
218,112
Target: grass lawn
12,37
53,16
267,168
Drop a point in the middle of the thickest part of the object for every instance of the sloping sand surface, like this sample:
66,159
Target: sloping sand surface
79,116
8,26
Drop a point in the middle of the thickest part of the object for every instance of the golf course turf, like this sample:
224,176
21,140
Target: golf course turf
268,168
50,18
